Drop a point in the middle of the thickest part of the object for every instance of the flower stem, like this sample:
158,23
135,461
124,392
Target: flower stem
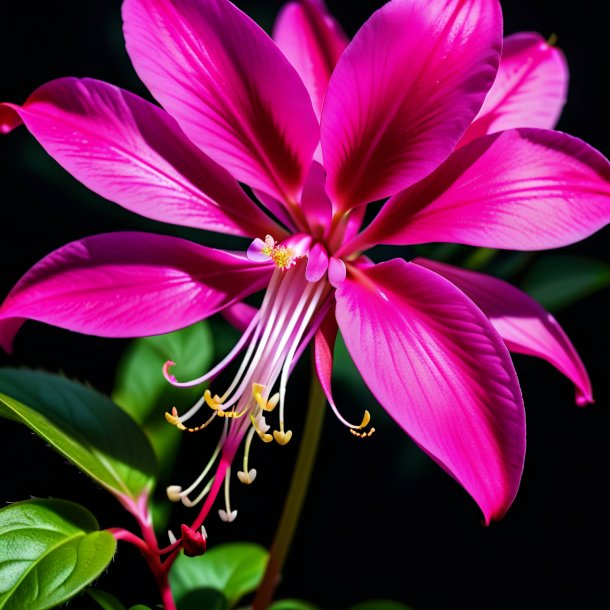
296,495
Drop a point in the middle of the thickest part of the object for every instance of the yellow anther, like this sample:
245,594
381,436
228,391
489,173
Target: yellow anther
266,438
282,256
174,419
214,403
365,420
282,437
362,434
272,402
231,414
257,394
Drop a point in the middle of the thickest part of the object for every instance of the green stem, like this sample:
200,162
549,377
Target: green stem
296,495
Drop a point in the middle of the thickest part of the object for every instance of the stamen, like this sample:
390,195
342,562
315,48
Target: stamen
227,515
266,438
363,434
204,492
175,492
265,405
280,436
221,365
172,538
247,476
282,256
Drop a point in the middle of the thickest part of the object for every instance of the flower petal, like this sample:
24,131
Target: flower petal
317,207
404,92
521,189
324,347
129,285
530,89
229,87
312,41
525,326
239,315
441,371
133,153
317,263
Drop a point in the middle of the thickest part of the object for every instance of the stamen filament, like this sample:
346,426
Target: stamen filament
219,367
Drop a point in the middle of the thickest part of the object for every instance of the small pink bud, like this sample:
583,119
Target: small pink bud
193,543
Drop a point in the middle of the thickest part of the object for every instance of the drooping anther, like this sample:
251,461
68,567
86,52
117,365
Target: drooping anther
282,437
227,517
174,419
247,477
174,493
266,438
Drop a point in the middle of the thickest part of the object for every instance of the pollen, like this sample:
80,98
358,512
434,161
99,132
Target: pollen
282,256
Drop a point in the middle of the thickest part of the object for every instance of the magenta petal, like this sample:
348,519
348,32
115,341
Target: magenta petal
129,285
239,315
324,347
436,364
315,203
133,153
529,91
336,272
522,189
404,92
229,87
312,41
317,263
525,326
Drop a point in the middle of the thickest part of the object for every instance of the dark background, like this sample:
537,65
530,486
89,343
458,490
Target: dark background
381,520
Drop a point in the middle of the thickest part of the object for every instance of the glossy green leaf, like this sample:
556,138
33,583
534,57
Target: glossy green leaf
106,601
49,551
200,599
380,604
292,604
558,280
234,569
82,425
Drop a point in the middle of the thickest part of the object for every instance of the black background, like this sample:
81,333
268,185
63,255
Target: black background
380,520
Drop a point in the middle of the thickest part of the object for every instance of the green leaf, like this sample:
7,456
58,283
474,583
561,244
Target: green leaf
234,568
380,604
82,425
140,607
558,280
105,600
292,604
143,392
200,599
49,551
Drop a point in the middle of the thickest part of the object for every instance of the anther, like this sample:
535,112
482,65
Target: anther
174,493
174,419
215,402
247,477
266,438
227,517
362,434
282,437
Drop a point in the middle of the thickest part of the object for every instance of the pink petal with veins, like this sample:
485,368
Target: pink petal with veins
435,363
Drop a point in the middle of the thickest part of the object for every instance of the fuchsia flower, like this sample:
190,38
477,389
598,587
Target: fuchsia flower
418,108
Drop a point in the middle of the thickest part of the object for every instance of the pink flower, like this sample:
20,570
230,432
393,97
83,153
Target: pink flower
418,108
